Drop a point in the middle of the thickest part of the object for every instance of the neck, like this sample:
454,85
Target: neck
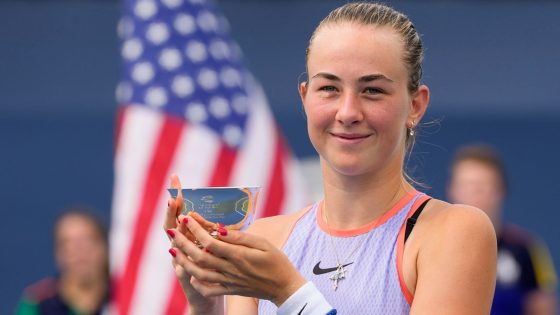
354,201
84,295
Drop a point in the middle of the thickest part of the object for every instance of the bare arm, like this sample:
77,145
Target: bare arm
456,264
275,230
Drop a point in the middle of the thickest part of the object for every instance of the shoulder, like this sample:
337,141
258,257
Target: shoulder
454,255
41,290
276,229
454,229
442,218
43,297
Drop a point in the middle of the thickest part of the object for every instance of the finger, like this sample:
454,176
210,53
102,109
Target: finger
182,227
217,289
204,265
203,222
202,258
176,183
179,271
170,220
200,233
228,251
195,270
209,289
244,239
182,243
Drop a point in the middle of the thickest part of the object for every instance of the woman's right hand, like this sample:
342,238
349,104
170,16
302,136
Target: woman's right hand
198,304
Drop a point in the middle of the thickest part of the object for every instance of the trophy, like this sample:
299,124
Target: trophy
232,206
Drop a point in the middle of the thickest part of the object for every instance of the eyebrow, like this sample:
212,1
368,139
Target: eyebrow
365,78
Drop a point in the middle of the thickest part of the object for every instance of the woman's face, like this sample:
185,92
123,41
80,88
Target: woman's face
80,249
357,102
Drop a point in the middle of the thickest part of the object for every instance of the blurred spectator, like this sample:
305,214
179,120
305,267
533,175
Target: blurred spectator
526,280
81,253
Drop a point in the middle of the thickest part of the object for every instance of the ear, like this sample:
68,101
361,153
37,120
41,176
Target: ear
302,90
419,103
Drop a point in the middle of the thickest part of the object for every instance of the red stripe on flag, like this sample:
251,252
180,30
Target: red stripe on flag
177,302
118,126
223,167
276,189
164,151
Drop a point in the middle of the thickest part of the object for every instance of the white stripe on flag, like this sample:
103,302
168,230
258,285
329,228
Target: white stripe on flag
194,163
255,160
138,134
253,166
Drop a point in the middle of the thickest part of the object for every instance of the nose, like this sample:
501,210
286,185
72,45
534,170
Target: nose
350,110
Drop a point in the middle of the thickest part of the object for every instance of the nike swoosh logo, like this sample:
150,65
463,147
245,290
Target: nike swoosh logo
299,313
319,271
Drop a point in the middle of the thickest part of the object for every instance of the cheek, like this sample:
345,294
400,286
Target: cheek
386,120
318,117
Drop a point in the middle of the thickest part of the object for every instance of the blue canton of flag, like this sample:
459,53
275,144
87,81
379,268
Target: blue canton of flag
178,58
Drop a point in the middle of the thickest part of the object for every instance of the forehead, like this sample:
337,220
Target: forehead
356,47
471,168
73,225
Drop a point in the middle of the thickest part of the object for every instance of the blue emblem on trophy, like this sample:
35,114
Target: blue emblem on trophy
232,206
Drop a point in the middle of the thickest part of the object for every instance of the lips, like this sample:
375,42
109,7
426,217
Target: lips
350,136
350,139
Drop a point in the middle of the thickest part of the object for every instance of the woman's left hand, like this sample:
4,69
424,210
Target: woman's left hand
237,263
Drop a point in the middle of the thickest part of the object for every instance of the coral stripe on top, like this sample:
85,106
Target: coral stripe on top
368,227
400,248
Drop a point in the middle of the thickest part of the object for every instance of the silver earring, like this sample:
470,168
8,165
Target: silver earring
411,129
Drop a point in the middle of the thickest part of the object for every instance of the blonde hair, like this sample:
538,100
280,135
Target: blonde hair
376,14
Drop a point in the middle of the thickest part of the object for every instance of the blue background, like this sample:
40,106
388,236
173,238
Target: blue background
493,69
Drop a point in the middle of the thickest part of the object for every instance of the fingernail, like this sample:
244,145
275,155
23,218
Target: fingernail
221,225
171,233
207,250
173,252
185,220
222,231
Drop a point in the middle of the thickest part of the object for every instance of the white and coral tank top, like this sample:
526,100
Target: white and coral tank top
371,256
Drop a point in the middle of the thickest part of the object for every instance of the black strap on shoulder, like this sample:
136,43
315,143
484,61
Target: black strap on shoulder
412,220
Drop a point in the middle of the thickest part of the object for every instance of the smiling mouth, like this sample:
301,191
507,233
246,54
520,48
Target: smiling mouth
350,136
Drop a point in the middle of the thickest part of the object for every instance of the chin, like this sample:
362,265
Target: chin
348,167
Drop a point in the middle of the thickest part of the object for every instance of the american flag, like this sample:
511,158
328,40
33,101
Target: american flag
188,106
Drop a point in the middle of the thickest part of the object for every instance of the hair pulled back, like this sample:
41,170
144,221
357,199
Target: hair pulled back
376,14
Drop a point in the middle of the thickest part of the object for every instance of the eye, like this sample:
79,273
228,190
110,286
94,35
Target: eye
327,88
373,90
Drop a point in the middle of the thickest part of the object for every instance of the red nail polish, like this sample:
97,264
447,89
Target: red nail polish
207,250
185,220
173,252
222,231
171,233
221,225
